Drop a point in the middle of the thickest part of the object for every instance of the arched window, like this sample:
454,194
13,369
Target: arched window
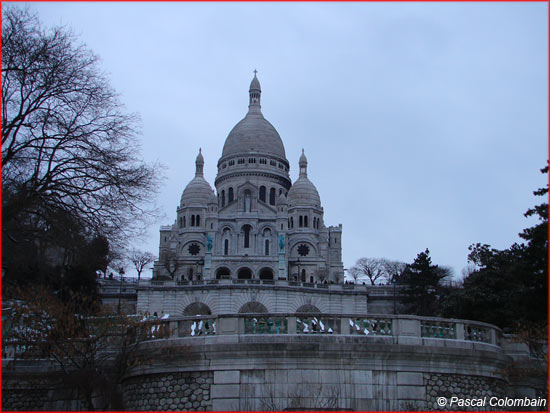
301,221
262,193
223,198
266,274
291,222
198,220
266,247
190,273
247,201
226,247
311,278
230,195
303,275
192,220
183,222
305,221
272,196
244,274
246,230
314,222
223,273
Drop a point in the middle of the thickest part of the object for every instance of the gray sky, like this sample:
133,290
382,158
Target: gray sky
425,124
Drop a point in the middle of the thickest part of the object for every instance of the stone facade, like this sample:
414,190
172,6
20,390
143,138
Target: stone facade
258,225
461,386
188,391
225,297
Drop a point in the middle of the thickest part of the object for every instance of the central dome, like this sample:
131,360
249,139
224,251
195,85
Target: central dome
254,134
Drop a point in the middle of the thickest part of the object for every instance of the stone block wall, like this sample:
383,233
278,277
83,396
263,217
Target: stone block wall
463,387
38,392
189,391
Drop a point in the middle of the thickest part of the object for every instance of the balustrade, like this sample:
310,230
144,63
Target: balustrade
302,323
265,325
477,333
373,326
317,325
438,329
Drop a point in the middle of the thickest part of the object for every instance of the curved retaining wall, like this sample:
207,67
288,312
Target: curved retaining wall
275,365
298,361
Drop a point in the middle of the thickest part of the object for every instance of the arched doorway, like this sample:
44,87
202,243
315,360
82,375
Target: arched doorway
197,308
266,274
223,273
244,274
308,308
253,307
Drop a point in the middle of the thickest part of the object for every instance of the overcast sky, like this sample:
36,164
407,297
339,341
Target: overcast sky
425,124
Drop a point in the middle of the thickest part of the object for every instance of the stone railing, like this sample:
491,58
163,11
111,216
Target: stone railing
236,282
401,329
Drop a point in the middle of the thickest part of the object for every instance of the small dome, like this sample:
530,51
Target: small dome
198,192
303,193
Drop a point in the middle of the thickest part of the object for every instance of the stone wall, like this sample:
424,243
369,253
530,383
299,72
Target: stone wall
463,387
28,392
189,391
227,297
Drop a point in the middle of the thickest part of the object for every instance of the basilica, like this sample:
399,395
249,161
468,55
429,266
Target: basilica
258,225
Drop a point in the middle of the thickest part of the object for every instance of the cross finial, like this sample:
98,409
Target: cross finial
255,71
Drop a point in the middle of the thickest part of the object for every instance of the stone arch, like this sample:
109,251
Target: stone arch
266,273
197,308
307,308
295,244
223,272
227,226
244,273
185,249
264,226
253,307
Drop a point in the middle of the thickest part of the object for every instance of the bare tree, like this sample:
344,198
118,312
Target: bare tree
93,353
321,274
393,270
67,143
372,268
354,273
141,259
170,262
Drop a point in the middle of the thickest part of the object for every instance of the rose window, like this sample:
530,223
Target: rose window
194,249
303,250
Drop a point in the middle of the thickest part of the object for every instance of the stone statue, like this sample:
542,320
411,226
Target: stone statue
209,243
281,243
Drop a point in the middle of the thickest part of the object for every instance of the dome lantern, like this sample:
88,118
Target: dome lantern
199,163
254,92
302,163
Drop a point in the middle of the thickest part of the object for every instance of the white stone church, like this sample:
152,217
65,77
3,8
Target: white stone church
258,225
